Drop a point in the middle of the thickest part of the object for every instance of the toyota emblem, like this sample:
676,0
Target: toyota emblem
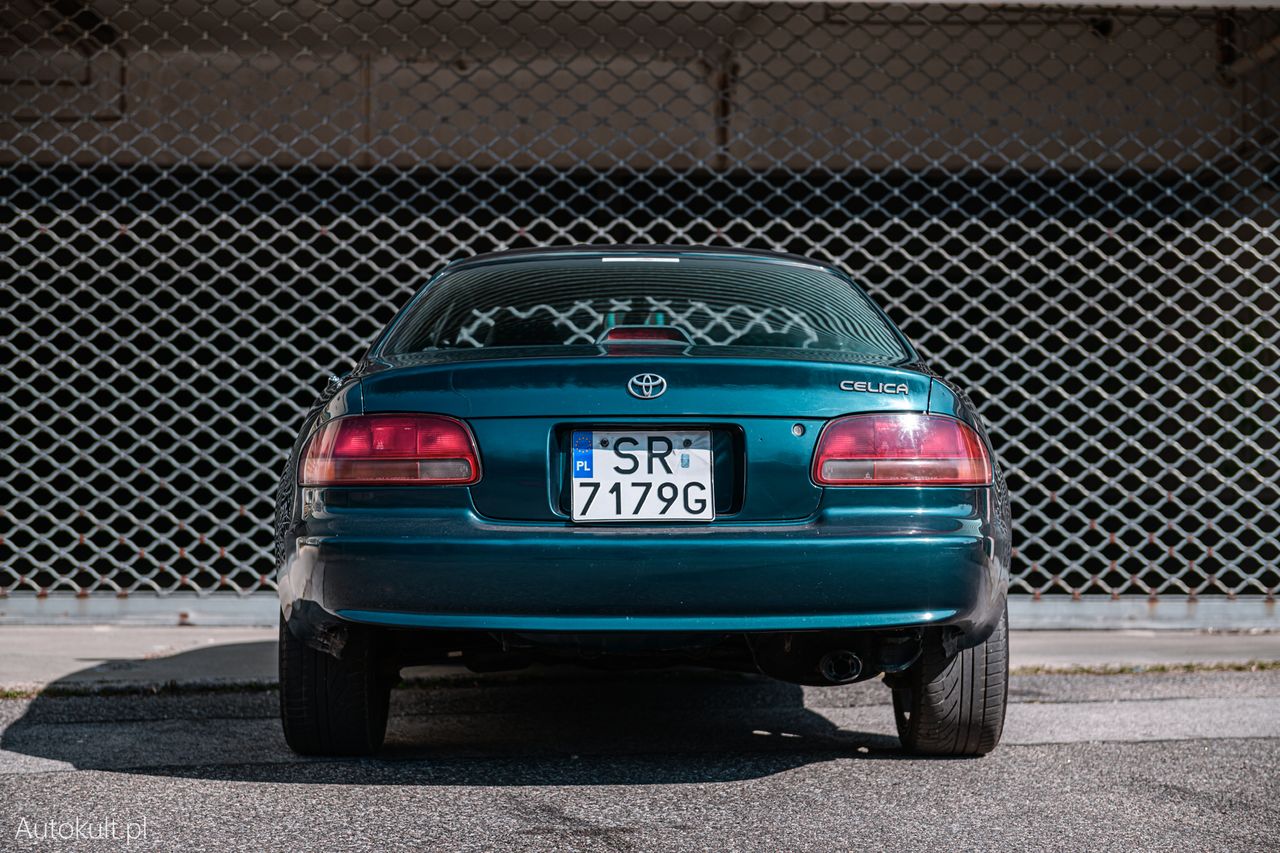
646,386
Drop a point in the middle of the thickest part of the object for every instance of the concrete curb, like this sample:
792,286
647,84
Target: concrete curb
1176,613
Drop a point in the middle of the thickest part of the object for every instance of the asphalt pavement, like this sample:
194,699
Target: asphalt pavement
567,759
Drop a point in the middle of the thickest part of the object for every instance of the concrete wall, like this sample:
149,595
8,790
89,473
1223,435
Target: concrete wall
624,85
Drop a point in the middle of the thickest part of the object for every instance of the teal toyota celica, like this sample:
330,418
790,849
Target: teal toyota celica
640,456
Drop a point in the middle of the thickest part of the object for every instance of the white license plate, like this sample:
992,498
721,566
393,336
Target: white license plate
642,475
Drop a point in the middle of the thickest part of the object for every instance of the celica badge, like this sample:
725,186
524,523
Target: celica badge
875,387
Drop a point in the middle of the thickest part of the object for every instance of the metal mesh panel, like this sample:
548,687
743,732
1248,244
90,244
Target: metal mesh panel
208,207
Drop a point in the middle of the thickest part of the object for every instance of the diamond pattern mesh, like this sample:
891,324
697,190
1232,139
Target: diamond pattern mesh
207,207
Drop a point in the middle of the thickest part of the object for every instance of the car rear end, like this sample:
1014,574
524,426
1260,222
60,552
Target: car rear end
645,455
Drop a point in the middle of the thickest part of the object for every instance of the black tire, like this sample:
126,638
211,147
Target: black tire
955,705
333,706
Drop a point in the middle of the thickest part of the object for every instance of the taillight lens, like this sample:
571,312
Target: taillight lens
900,450
390,450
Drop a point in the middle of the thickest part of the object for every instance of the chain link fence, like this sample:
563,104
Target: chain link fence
209,207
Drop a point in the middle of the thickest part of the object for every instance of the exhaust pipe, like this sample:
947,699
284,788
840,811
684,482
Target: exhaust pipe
840,666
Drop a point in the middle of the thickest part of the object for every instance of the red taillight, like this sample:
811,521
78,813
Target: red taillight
900,450
390,450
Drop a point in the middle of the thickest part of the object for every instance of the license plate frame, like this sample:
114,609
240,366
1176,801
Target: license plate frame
682,457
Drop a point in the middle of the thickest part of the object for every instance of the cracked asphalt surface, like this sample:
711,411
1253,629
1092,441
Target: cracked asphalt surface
569,759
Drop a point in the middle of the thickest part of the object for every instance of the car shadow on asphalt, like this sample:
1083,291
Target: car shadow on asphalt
543,726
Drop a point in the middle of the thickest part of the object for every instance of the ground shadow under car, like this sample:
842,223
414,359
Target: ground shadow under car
545,726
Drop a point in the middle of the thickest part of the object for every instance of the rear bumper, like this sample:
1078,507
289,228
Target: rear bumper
843,569
672,624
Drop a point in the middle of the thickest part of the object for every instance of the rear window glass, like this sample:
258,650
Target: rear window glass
576,301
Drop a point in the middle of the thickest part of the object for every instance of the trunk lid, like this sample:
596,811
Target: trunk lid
524,405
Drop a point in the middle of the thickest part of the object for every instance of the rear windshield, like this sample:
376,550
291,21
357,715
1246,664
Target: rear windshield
576,301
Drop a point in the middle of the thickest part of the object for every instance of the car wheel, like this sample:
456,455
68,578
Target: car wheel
333,706
955,705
